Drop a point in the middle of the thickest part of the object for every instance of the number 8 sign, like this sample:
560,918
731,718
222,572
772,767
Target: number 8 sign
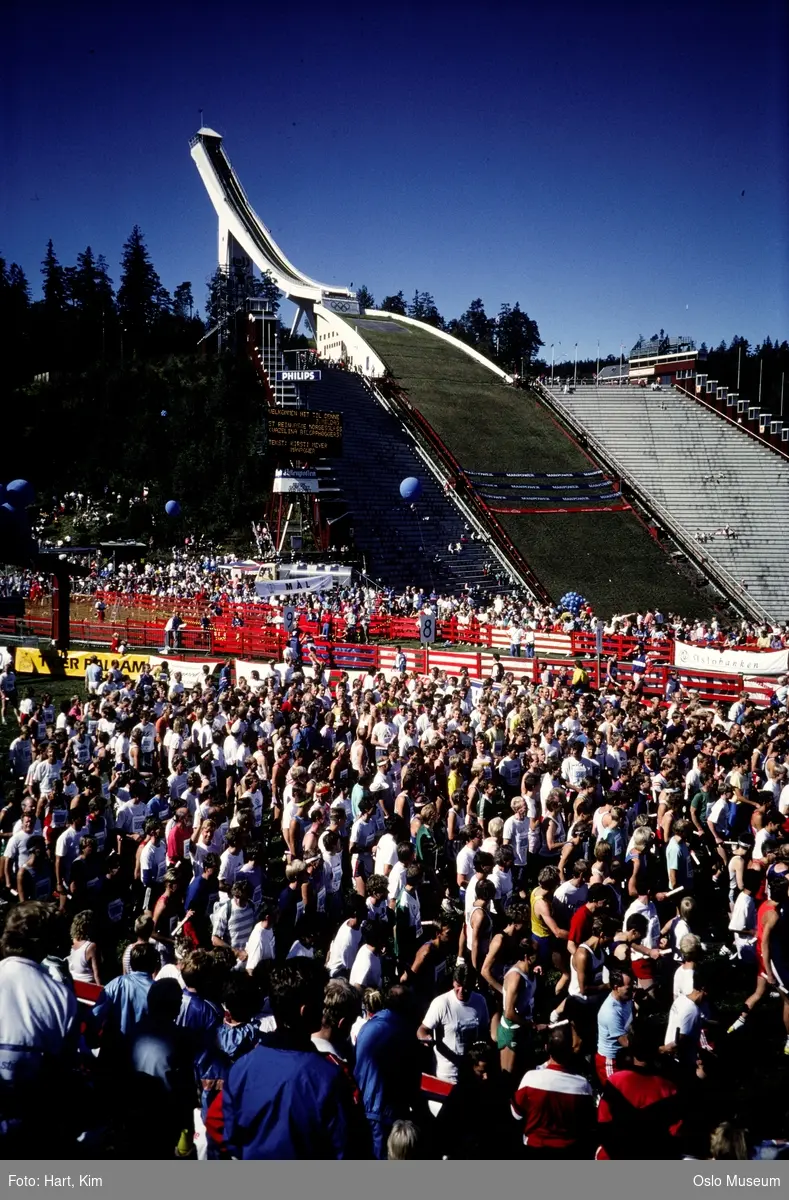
427,628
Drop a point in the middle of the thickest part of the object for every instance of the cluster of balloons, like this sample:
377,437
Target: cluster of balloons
411,488
572,602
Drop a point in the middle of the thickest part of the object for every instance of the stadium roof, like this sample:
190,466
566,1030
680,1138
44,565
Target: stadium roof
650,347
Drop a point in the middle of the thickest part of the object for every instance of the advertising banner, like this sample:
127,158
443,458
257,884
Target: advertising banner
191,672
292,480
731,662
30,661
294,587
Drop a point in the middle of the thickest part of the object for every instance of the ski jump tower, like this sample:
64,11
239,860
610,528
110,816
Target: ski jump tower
244,239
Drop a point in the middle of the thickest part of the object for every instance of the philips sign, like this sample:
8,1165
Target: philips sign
298,376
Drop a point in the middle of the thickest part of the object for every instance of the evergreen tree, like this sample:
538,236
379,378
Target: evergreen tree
476,328
395,304
217,299
52,321
430,313
183,301
141,297
519,338
15,321
365,297
423,308
55,288
93,308
268,290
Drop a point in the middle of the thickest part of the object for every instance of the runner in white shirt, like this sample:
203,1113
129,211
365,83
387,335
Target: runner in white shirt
343,950
453,1022
386,850
366,969
261,946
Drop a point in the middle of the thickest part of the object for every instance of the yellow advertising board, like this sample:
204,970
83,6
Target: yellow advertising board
30,661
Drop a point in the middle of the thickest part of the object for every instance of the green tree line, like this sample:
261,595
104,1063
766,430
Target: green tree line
511,338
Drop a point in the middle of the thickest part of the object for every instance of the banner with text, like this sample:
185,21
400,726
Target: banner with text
731,662
294,587
30,661
293,480
191,672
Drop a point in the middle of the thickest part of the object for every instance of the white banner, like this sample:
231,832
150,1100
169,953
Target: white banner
731,662
191,672
347,307
295,481
290,587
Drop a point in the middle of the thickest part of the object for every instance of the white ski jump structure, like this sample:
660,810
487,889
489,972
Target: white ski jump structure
244,239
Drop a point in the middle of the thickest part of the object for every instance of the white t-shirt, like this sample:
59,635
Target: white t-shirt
652,938
396,881
743,917
37,1018
343,950
229,865
458,1025
171,971
154,859
464,863
260,946
684,1018
516,833
366,969
719,815
683,981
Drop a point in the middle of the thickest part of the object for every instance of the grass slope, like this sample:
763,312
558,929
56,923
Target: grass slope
609,557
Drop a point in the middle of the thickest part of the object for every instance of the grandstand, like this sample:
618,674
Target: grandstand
491,426
702,475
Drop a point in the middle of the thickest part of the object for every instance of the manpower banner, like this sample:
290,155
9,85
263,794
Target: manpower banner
290,587
30,661
731,662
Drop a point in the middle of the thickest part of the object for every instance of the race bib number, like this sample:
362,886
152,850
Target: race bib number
58,818
147,744
138,824
115,910
320,902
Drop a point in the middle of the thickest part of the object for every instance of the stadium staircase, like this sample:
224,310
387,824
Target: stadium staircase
402,544
701,475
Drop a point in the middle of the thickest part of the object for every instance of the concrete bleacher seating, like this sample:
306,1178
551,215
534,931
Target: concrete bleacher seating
705,473
400,544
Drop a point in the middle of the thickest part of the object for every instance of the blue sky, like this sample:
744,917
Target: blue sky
588,161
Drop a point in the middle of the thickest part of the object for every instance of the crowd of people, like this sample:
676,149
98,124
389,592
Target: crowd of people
392,916
206,580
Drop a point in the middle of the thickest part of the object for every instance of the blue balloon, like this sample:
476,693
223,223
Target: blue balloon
172,508
163,413
411,488
20,493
